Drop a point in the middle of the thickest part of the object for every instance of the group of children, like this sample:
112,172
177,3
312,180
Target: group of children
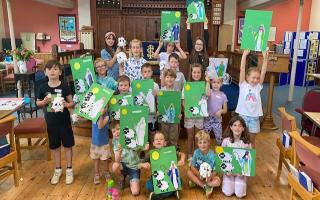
129,162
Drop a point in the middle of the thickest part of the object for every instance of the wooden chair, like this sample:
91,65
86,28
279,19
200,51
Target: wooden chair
306,158
8,79
32,128
288,123
6,127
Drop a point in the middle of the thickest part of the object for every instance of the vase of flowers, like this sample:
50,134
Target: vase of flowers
21,56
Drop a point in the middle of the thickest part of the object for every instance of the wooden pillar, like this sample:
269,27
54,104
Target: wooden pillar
267,122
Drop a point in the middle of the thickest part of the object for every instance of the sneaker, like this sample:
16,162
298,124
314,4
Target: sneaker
177,194
150,196
208,189
192,184
69,176
56,176
96,179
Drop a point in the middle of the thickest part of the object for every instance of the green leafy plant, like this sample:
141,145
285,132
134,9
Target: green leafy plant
22,54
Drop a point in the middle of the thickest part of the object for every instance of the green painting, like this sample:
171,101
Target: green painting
93,101
170,26
142,92
116,102
83,74
256,30
165,173
217,67
195,99
196,11
169,106
235,160
134,126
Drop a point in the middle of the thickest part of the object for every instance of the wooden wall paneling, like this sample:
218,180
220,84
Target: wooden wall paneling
93,15
108,23
225,36
136,19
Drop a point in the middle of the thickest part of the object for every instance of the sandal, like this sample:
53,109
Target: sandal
96,179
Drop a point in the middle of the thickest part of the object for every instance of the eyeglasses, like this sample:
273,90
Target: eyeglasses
100,66
200,44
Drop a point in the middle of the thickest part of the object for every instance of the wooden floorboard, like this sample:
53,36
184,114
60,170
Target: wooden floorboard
36,172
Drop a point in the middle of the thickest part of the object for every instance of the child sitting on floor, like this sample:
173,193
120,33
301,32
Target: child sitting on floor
159,142
203,154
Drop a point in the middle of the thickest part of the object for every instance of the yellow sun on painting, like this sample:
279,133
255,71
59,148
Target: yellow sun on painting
124,111
138,85
219,150
160,93
113,101
95,90
177,14
76,66
155,155
187,87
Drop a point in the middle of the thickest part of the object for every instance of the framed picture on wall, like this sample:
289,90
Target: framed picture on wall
67,28
240,29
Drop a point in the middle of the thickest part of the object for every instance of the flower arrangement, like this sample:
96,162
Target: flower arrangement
22,54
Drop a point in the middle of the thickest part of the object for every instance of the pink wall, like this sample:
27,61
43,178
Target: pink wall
285,17
32,16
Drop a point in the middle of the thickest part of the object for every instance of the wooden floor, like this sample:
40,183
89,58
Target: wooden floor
36,172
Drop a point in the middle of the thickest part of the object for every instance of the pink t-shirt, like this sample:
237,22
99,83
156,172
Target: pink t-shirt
216,101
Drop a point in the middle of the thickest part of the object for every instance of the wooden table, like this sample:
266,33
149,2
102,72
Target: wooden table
5,113
315,118
315,76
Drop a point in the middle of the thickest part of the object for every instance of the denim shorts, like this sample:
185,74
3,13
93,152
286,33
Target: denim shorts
253,123
134,174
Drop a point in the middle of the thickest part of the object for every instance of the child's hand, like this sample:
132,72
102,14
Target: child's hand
158,114
106,118
119,148
188,24
206,22
229,174
47,99
218,113
180,116
146,147
118,50
177,45
246,52
207,78
145,165
160,43
181,162
154,93
104,110
64,103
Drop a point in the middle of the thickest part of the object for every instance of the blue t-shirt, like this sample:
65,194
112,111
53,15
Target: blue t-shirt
100,137
108,82
198,158
114,70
